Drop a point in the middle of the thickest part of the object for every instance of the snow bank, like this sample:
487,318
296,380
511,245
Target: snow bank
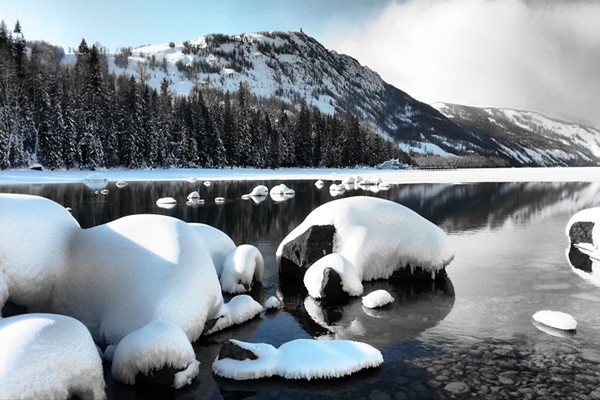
379,236
241,267
218,243
158,344
45,356
300,359
377,298
556,319
313,279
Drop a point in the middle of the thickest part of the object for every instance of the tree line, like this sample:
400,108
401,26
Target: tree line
80,115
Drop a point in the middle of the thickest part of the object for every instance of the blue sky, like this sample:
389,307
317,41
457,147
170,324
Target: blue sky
535,55
122,23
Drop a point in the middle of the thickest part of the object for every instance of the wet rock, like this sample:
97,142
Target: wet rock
300,253
581,232
164,376
456,388
235,352
331,286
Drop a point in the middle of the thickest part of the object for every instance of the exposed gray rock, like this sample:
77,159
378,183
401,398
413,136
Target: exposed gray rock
300,253
235,352
331,286
581,232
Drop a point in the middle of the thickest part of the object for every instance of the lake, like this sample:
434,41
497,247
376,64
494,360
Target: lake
471,336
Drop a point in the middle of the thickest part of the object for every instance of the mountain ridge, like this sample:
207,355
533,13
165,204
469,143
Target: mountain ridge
293,66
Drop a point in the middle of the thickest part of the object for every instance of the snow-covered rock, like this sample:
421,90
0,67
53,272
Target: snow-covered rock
377,298
220,200
336,190
240,308
299,359
583,230
218,243
281,192
320,284
583,265
379,237
556,319
157,349
319,184
260,190
194,195
121,184
46,356
166,202
273,303
242,266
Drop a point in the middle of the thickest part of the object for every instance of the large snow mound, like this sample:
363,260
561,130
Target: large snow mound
378,236
219,244
44,356
300,359
158,344
115,278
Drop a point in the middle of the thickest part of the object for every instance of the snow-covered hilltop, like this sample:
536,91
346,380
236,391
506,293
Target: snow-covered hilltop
529,138
294,66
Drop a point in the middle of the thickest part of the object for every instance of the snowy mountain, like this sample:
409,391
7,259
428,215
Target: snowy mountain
293,66
529,138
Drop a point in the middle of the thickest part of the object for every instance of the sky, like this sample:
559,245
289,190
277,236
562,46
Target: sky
539,55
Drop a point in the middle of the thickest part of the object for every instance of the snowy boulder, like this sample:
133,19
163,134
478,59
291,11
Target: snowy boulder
240,308
332,277
556,320
121,184
583,230
382,239
194,195
218,243
319,184
166,202
45,356
155,353
299,253
377,298
243,266
260,190
298,359
30,222
273,303
336,190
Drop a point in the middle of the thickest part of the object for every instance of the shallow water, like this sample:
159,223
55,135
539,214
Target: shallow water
472,337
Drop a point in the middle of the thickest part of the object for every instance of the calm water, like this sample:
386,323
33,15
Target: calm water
473,334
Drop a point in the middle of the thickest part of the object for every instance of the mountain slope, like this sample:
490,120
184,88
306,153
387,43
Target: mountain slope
294,66
529,138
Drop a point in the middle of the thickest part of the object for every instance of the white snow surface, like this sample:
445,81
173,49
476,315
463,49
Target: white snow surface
158,344
242,266
571,174
260,190
240,308
378,236
301,359
46,356
556,319
377,298
272,303
313,278
219,243
115,277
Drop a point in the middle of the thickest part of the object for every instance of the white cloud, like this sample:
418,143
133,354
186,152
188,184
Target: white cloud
541,56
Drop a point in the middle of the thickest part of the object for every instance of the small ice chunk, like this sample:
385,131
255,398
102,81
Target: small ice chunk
378,298
194,195
166,201
556,319
272,303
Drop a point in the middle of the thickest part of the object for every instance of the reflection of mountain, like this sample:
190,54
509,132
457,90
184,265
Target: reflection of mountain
476,206
418,306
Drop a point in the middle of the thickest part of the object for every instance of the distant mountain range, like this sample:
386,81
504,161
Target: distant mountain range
294,66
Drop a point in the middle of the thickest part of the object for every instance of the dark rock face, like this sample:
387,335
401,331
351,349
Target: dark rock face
418,274
161,377
331,286
235,352
580,260
302,252
581,232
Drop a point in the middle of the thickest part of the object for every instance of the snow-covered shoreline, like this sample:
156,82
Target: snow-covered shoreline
571,174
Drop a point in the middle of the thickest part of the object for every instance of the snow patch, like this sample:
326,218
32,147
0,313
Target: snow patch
377,298
556,319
